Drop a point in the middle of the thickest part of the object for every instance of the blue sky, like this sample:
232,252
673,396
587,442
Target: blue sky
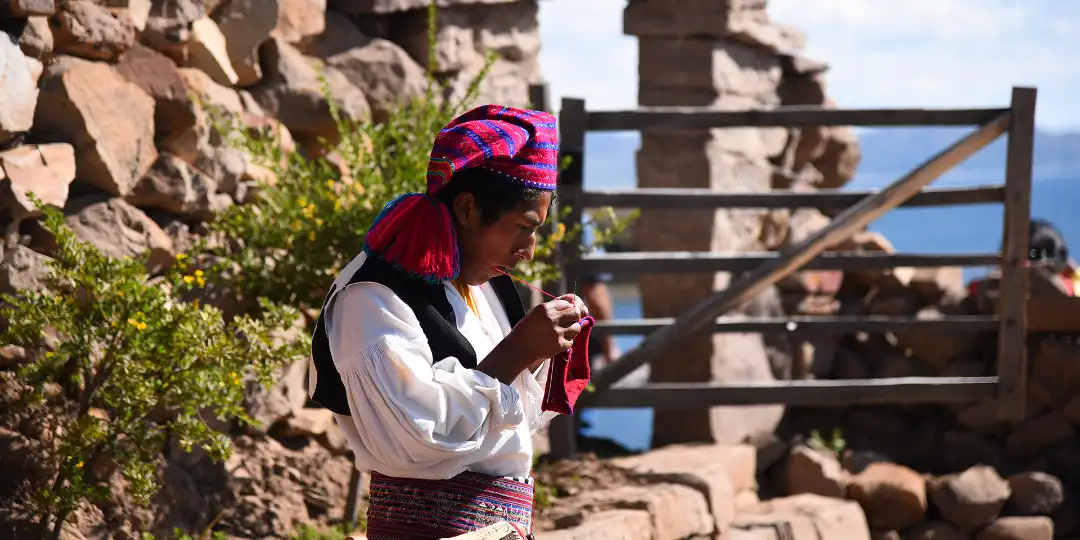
883,53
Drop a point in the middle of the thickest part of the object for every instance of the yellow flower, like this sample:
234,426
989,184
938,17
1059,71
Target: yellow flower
560,232
120,293
188,279
133,322
319,222
330,184
141,326
79,465
202,282
181,256
198,273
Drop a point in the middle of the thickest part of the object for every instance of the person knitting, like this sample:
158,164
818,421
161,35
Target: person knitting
436,373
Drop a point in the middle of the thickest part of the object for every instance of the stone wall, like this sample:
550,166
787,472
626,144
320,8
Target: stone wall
102,114
724,54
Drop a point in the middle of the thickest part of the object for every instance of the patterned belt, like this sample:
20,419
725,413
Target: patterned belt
412,509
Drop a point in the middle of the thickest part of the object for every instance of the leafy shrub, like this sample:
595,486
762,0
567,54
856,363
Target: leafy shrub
141,369
299,232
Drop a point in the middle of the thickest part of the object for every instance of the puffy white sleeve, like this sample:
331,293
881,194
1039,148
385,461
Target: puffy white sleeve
412,411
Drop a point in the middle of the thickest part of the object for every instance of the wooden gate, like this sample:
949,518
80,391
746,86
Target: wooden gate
760,271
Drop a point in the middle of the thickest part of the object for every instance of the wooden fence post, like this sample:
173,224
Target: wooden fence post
1012,364
563,430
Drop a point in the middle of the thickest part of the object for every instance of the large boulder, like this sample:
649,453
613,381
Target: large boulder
108,120
120,230
293,92
385,73
90,30
44,170
19,93
246,24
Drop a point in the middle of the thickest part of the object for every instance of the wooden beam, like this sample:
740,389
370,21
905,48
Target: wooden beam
806,393
800,116
843,324
1060,314
827,199
695,262
1012,339
746,286
563,430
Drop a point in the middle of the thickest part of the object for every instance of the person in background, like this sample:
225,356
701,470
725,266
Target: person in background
597,295
1046,245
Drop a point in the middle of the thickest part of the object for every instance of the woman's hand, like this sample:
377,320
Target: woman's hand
546,330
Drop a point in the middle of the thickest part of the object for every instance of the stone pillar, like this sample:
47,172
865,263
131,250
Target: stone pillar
465,31
721,53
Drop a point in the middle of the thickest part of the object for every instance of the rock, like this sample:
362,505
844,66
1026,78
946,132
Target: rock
743,21
17,9
174,186
23,269
46,170
805,517
120,230
1037,434
1055,364
981,415
168,28
968,449
291,91
36,40
1034,493
334,440
718,471
385,73
270,405
676,511
138,11
209,53
933,284
246,24
972,499
498,531
108,120
307,423
300,20
814,471
354,7
936,348
88,30
893,496
621,524
840,158
18,94
1018,528
934,530
158,76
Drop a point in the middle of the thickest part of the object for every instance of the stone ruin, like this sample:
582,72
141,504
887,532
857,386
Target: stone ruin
97,117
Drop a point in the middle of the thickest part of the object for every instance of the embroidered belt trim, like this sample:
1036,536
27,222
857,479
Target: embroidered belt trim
412,509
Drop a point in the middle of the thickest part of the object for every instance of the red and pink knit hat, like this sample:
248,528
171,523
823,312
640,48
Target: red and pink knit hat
415,232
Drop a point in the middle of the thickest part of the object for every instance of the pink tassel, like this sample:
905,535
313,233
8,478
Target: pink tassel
416,233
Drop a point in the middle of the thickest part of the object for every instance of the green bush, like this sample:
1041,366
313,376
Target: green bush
298,233
142,369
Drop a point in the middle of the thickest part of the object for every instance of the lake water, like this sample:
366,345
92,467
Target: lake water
959,229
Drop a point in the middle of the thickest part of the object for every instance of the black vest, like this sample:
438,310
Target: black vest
437,320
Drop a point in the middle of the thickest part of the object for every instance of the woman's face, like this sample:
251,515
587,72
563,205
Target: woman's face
505,242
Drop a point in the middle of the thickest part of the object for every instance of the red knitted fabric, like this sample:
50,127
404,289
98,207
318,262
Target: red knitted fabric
569,373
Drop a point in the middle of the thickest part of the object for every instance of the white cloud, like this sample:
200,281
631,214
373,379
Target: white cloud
883,53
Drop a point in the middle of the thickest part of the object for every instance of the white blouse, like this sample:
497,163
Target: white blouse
415,416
